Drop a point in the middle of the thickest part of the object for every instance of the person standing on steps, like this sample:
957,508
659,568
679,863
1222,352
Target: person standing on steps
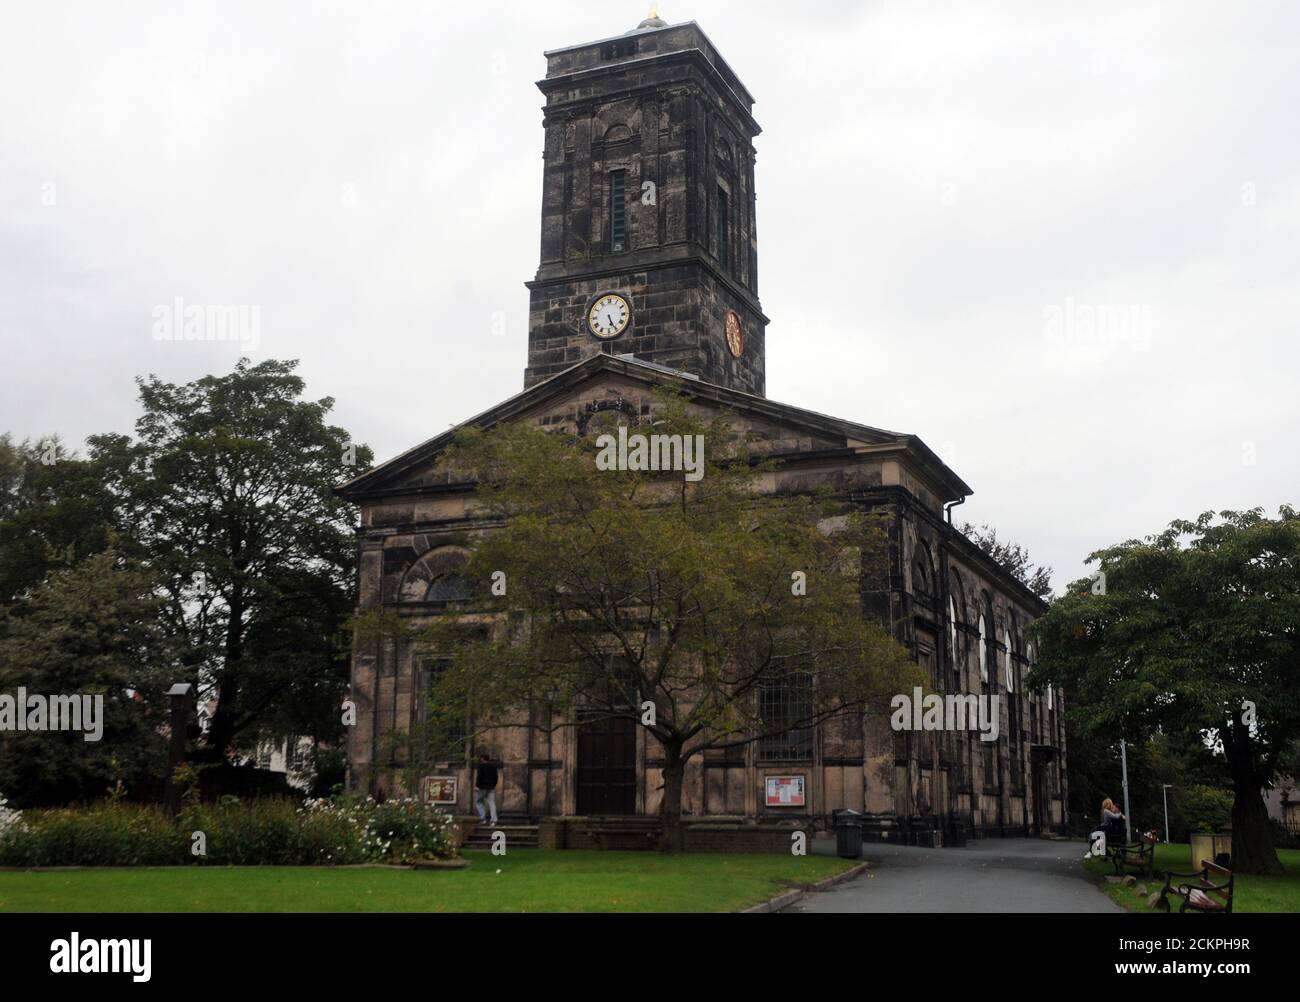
485,788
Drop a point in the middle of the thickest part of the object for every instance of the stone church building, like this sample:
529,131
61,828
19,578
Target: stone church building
649,270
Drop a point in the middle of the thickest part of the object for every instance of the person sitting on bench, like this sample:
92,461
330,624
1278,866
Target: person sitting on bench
1112,822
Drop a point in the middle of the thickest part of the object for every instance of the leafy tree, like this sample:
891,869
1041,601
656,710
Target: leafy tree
229,489
297,636
1204,808
1013,557
54,512
1195,631
674,605
94,629
1184,762
1288,764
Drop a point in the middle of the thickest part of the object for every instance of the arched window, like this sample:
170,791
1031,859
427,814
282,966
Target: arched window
1010,671
984,650
957,620
448,588
922,572
436,577
952,630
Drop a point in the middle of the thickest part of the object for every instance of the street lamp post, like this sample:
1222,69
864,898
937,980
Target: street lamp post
1165,792
1123,761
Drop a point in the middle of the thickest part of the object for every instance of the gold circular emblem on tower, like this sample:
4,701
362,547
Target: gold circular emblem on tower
735,334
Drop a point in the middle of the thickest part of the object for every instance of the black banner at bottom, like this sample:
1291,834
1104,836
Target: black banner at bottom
633,952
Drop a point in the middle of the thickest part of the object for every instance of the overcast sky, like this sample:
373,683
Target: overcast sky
1060,241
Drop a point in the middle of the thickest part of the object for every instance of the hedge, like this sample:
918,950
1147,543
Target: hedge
232,833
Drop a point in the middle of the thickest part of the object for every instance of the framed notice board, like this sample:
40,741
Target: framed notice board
440,789
785,791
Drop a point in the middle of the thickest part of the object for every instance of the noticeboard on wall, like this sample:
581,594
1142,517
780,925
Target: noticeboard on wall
785,791
440,789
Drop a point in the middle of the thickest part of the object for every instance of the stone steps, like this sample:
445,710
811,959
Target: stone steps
518,836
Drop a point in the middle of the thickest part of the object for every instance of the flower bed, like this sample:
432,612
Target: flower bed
9,818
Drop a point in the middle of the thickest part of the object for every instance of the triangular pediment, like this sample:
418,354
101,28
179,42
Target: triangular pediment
606,382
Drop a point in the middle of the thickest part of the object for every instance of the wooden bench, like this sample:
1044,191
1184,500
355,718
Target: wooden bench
1137,856
1203,896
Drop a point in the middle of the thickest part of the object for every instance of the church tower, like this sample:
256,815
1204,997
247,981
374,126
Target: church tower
649,245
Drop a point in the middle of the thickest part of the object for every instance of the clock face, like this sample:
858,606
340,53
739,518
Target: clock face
735,334
609,316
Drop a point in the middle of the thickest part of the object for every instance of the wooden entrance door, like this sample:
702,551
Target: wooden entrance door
606,778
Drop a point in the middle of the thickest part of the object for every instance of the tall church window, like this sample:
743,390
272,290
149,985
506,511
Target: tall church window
724,227
952,632
956,641
446,720
984,651
1036,705
617,211
782,704
923,573
1013,709
608,683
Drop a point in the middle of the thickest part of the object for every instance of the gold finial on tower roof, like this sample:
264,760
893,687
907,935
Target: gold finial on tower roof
654,20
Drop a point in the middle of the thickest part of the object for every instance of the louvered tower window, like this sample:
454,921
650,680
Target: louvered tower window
617,212
724,227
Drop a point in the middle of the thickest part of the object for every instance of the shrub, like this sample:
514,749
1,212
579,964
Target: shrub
235,833
9,818
329,769
103,835
1206,808
255,833
404,831
333,833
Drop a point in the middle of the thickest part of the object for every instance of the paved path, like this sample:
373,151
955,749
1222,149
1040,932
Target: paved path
988,875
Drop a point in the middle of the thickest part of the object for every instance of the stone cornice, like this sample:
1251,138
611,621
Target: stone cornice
695,57
647,260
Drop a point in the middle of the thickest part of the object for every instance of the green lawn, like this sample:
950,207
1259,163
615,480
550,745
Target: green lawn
1250,894
526,881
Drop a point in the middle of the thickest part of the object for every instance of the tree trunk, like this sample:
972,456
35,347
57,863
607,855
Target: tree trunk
1252,842
222,733
672,838
223,724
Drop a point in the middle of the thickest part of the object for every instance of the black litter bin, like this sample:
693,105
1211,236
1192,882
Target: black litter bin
848,834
